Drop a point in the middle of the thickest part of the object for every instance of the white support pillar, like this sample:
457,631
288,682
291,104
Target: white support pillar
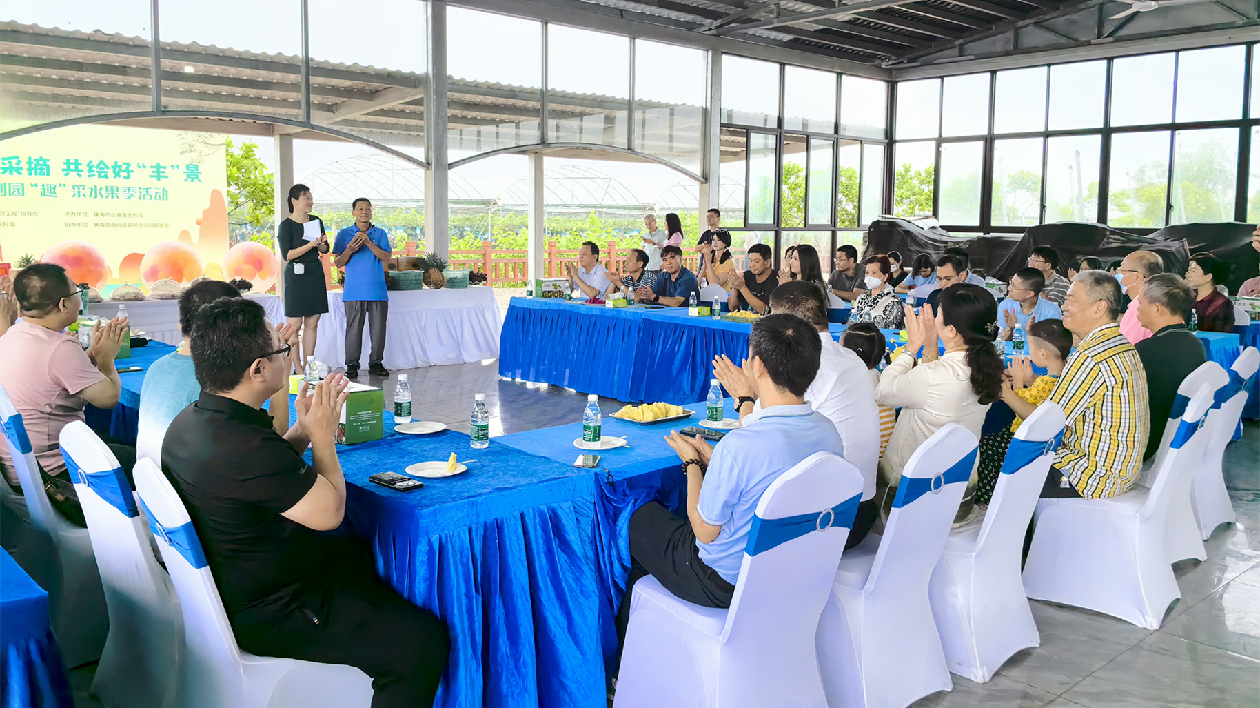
282,145
537,217
437,233
711,159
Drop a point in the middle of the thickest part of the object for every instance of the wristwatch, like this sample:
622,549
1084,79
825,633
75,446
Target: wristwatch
744,399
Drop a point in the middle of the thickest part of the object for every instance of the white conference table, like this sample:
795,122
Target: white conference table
425,327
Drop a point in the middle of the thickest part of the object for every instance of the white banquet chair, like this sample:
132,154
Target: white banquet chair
1241,318
14,519
145,634
877,641
57,555
976,591
760,652
1110,555
1208,497
214,672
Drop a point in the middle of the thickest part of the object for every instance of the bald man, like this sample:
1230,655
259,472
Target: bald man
1134,270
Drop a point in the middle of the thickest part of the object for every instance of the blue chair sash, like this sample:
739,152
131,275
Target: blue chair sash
110,485
1235,386
1022,452
1179,406
911,488
1185,430
770,533
182,538
15,433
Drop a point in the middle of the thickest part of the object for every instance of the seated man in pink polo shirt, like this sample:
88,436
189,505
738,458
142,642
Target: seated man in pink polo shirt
50,379
1134,270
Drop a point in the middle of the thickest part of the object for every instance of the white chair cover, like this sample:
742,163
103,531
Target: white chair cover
877,641
710,291
976,591
1183,539
14,521
57,555
761,651
214,672
1241,318
1208,497
1110,555
145,633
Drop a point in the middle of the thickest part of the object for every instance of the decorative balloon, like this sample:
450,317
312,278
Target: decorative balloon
170,259
84,262
253,262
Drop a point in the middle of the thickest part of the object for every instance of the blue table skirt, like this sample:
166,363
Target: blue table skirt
122,421
1224,349
1250,336
503,553
31,672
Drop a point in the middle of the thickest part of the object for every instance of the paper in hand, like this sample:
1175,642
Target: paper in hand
311,230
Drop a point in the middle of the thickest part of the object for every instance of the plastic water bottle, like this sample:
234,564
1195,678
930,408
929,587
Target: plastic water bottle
591,420
1017,340
716,406
693,304
402,400
122,311
717,308
1194,321
312,370
480,424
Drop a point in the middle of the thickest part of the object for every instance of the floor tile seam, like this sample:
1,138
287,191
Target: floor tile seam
1105,665
1213,646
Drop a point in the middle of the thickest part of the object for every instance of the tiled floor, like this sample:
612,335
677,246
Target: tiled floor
1206,654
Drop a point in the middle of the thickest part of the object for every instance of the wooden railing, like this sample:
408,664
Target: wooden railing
512,265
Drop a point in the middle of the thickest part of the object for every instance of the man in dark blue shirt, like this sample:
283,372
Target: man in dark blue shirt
675,285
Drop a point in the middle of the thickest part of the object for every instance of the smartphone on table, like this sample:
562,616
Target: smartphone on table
393,480
705,433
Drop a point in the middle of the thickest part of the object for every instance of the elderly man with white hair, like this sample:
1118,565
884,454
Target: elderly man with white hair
1103,392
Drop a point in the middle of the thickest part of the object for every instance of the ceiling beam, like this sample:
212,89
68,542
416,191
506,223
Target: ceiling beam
850,27
991,8
944,15
859,45
749,11
843,12
1070,7
911,25
382,99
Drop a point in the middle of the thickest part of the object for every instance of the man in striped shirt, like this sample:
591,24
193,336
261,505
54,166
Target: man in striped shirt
1103,392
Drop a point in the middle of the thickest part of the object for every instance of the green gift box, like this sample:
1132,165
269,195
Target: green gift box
361,417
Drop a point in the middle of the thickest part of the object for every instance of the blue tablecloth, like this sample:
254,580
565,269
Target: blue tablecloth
122,421
504,553
1225,349
31,672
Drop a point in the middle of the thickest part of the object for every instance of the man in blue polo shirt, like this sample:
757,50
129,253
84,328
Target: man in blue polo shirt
675,284
362,250
1024,302
698,557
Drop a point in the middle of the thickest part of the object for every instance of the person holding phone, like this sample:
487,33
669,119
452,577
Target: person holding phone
302,239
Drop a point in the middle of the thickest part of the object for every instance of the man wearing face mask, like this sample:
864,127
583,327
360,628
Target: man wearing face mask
879,304
1134,270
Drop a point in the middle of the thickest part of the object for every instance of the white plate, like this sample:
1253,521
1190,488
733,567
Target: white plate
607,442
434,470
724,424
420,427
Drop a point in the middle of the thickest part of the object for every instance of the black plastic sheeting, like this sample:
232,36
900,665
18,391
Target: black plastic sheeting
999,256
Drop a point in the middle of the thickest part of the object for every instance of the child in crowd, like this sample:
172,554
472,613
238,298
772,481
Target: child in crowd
872,348
1049,344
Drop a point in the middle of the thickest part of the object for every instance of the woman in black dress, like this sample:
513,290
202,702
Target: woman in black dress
305,295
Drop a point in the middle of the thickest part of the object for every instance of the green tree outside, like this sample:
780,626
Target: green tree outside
249,190
912,190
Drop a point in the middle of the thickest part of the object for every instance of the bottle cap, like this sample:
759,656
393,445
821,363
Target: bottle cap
310,358
714,382
481,397
402,378
592,398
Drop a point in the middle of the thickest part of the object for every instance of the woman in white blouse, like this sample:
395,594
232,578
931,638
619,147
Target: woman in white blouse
956,387
879,304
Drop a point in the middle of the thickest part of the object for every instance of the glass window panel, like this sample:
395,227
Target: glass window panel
1253,178
587,101
750,92
872,182
1210,84
913,180
863,107
1020,105
849,178
1205,174
31,95
1255,85
792,182
820,174
1138,179
732,173
1142,89
1017,182
1072,178
1078,94
669,102
965,110
809,100
761,181
918,109
392,66
961,164
494,99
261,70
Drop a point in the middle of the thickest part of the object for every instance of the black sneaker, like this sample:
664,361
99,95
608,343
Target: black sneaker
378,370
352,372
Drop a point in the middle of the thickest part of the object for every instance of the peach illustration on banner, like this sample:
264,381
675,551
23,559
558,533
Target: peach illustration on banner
170,259
84,262
253,262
